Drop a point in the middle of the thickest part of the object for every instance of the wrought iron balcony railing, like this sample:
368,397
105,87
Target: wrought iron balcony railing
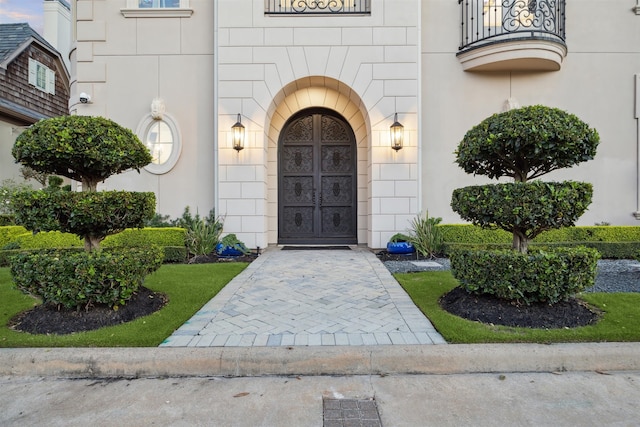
488,21
317,7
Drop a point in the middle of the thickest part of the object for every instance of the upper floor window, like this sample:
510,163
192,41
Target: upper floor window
42,77
158,3
157,8
317,7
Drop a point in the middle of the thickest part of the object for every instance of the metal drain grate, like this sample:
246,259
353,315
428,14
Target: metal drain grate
350,412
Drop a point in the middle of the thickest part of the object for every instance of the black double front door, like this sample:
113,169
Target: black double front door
317,180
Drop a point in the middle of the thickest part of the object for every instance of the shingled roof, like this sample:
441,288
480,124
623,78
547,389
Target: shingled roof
15,37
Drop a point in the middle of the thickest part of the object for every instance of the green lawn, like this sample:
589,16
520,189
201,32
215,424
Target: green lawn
188,287
621,320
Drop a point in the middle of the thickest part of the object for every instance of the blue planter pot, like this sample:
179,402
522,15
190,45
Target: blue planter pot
400,248
229,251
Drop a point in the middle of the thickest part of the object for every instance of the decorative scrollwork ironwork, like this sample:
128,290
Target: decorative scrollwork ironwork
318,6
302,5
490,20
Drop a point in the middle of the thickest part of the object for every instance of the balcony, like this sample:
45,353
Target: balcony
512,35
317,7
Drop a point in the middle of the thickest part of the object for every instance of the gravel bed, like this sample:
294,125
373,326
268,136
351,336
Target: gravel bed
612,276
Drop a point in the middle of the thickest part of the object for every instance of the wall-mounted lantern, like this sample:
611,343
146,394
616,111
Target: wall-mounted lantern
238,135
397,134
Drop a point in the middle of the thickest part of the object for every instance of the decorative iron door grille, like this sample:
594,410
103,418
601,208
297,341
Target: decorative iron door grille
317,196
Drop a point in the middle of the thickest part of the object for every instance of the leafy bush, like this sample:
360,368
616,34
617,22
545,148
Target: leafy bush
526,143
84,148
96,214
8,188
48,240
425,236
76,280
9,233
469,233
175,254
525,209
7,219
539,276
159,221
138,237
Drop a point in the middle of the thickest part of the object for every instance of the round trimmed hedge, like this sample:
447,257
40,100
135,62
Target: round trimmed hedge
97,214
529,207
79,280
538,276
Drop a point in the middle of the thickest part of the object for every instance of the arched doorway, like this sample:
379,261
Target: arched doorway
317,179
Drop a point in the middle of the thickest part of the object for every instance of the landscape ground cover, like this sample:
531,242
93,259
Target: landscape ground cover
620,319
187,287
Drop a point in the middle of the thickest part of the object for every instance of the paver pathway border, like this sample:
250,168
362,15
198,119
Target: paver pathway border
309,298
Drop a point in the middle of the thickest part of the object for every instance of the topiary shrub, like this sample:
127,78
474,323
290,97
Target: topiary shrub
89,150
524,144
525,209
538,276
86,149
76,280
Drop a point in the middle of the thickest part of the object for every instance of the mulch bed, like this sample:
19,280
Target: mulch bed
44,319
492,310
51,320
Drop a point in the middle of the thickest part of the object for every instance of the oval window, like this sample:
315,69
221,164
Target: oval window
163,141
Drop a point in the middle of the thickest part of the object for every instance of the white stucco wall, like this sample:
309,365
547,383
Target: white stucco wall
596,83
126,62
227,57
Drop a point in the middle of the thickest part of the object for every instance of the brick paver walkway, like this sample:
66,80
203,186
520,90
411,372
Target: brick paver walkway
309,297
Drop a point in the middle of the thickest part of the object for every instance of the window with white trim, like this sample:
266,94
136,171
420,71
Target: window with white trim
157,8
42,77
162,138
158,3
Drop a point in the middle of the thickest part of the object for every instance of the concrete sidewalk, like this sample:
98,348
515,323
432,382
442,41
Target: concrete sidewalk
519,399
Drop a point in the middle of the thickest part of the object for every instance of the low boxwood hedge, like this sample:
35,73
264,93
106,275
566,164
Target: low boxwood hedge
169,238
613,242
539,276
76,280
9,234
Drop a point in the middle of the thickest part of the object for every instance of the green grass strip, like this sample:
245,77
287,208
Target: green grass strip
188,288
620,322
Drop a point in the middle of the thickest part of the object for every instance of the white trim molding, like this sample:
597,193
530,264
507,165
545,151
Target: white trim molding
133,10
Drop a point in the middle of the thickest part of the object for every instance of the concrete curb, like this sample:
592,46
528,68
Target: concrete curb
265,361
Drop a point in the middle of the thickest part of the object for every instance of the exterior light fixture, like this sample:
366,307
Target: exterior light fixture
397,134
238,135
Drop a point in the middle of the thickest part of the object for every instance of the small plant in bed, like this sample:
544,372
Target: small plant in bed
231,247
